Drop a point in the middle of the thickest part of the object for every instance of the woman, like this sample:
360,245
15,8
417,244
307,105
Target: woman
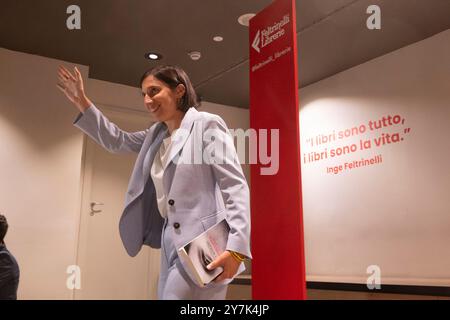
173,194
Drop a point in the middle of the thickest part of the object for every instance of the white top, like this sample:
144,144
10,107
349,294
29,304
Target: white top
157,172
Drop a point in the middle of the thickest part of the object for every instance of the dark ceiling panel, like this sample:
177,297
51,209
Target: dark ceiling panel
343,40
235,81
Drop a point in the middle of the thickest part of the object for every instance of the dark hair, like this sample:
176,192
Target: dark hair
3,227
173,76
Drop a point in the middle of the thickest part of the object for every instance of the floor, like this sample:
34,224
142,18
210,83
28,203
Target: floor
243,292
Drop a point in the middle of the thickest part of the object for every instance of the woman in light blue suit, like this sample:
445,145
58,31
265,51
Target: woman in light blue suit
186,178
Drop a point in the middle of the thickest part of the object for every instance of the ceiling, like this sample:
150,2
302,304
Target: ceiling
332,37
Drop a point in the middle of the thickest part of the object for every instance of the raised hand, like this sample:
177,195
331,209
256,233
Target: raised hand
73,88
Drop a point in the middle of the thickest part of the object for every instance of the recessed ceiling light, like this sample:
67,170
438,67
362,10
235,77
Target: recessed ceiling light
218,38
195,55
245,19
153,56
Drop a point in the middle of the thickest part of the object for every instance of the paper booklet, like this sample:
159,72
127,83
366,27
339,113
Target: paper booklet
203,249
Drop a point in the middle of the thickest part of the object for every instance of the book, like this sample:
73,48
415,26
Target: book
204,249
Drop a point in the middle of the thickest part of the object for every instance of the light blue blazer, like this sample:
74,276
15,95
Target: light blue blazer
199,195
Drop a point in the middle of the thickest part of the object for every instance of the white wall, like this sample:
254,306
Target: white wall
395,214
41,161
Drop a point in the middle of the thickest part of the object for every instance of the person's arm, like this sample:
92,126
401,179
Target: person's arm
73,88
92,122
107,134
232,183
235,192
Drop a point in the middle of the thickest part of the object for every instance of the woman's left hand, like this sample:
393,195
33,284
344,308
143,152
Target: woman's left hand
229,264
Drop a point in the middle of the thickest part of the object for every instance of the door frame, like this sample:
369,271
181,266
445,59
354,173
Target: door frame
86,174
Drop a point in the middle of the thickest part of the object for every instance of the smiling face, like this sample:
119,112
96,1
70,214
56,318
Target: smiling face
161,100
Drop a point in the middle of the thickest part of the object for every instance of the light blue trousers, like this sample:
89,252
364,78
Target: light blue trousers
174,283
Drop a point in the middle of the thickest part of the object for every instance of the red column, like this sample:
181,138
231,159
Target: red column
278,267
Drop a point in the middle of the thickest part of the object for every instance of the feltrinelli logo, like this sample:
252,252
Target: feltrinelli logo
270,34
255,43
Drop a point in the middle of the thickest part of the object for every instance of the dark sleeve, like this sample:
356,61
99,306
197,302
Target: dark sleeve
6,269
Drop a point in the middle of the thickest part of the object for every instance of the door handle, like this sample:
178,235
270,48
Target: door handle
93,211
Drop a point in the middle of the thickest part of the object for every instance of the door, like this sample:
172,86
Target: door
107,272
